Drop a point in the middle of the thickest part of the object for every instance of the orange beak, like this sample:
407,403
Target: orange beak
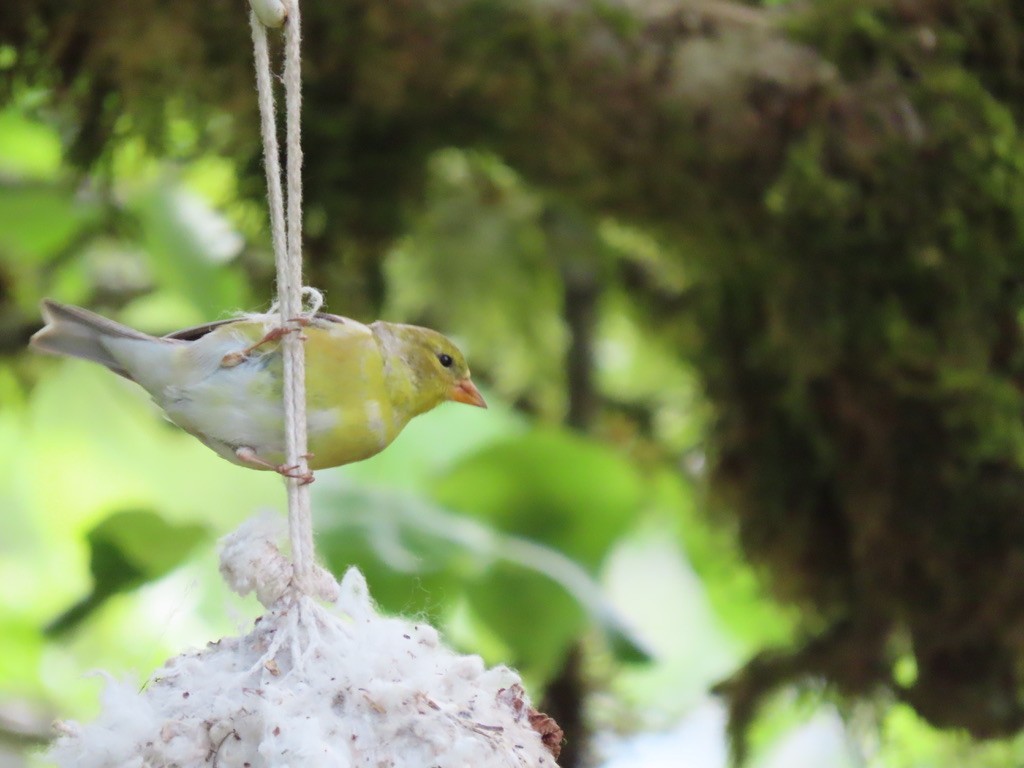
466,392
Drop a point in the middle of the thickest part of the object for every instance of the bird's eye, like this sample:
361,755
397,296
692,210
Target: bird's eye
445,360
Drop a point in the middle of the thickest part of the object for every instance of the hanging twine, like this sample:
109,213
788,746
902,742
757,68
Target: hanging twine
286,236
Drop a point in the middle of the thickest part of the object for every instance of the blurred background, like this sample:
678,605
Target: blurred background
742,283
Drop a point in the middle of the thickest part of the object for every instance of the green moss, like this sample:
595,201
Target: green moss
871,394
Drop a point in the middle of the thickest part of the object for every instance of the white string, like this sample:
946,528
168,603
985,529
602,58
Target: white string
286,236
268,130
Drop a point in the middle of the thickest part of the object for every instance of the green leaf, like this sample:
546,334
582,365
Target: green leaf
482,225
38,219
28,149
128,549
409,567
537,623
736,593
561,494
145,540
549,486
188,244
20,653
415,458
418,556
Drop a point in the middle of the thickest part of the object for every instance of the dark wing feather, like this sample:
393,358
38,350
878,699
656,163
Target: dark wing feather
198,331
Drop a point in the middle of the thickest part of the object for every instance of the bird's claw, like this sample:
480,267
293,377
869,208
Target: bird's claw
249,456
231,359
291,470
302,322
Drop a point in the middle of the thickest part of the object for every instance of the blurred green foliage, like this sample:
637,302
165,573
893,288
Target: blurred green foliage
126,550
498,527
783,279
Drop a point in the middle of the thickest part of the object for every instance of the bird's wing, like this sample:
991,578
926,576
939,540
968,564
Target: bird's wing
198,331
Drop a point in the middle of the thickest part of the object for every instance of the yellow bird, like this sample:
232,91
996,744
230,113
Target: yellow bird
222,381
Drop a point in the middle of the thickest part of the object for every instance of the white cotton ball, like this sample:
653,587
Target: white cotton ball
250,560
354,598
311,687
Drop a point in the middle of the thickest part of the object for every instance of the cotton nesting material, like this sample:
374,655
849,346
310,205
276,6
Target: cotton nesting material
314,687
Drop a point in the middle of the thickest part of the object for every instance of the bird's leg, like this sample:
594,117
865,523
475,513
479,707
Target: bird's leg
249,456
231,359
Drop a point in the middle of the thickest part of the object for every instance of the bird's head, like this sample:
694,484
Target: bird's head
430,362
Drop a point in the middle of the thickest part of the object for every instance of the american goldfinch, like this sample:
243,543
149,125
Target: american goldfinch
222,382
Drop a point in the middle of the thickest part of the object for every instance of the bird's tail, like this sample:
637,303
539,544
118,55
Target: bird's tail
80,333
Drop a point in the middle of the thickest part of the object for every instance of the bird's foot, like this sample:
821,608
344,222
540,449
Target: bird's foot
231,359
249,456
292,471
